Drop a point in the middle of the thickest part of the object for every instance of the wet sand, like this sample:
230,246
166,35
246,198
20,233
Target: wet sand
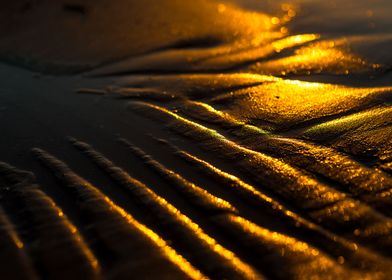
230,140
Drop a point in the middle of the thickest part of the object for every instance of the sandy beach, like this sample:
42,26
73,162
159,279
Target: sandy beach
238,139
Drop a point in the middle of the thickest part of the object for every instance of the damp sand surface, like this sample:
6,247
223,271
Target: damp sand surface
234,139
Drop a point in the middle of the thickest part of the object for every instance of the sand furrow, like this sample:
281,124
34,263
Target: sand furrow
134,249
353,177
53,241
15,263
324,204
200,197
203,249
286,180
268,248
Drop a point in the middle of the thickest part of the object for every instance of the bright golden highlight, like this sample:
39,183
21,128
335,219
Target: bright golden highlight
169,252
286,102
215,254
132,233
278,158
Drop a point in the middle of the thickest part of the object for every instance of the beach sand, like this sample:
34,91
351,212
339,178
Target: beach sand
167,139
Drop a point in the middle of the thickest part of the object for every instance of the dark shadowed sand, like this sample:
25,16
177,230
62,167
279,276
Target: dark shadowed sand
174,139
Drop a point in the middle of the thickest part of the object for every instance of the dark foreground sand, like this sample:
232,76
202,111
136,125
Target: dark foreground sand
171,140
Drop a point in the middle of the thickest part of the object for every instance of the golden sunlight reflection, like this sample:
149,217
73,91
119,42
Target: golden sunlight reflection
283,178
293,41
323,56
274,237
179,222
169,252
315,262
352,121
251,42
8,228
286,102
